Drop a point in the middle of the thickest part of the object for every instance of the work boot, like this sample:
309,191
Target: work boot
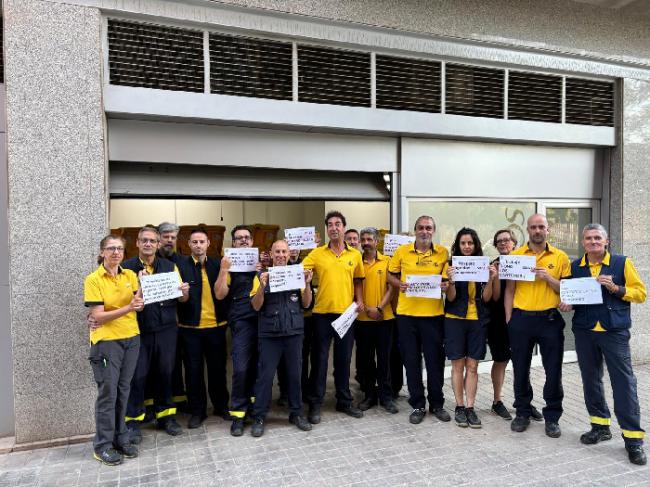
535,415
237,427
636,454
196,420
108,456
367,403
257,429
390,406
417,416
520,424
350,411
300,422
597,434
128,450
171,427
313,416
552,429
135,435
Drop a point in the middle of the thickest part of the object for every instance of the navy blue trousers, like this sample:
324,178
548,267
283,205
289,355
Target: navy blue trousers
244,364
614,347
373,347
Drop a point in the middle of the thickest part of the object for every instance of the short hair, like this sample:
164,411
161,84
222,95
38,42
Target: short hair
199,230
352,230
166,227
595,226
236,228
370,231
280,241
149,228
504,230
455,247
424,217
335,214
104,241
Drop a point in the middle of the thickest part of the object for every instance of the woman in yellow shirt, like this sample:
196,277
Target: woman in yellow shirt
113,296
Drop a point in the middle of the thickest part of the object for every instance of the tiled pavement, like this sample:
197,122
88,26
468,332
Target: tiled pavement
380,449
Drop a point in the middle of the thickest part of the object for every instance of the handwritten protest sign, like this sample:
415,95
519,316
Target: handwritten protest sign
471,268
160,287
242,259
517,267
427,286
391,242
300,238
343,323
583,290
286,278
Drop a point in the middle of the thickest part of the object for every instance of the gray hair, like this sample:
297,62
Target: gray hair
595,226
370,231
166,227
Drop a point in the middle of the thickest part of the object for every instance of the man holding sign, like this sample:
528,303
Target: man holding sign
603,331
420,320
533,318
281,331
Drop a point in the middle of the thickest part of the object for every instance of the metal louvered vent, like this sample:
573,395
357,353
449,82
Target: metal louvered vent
589,102
243,66
333,76
474,91
155,56
533,96
407,84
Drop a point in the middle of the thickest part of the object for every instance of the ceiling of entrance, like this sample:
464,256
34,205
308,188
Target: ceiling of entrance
636,7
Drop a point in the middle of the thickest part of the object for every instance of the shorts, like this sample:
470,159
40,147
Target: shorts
497,338
464,338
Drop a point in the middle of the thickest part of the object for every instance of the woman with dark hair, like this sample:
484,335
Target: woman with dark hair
113,296
466,317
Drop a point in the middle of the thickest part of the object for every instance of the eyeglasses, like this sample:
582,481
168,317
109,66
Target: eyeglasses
239,239
114,250
503,240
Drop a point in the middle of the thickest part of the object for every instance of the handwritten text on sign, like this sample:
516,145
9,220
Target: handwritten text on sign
300,238
391,242
286,278
424,286
471,268
343,323
583,290
517,267
160,287
242,259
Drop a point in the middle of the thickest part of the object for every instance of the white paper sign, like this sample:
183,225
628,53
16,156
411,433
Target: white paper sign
343,323
243,259
160,287
582,290
427,286
471,268
391,242
286,278
517,267
300,238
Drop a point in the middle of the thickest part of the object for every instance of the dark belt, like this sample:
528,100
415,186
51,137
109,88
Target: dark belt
546,312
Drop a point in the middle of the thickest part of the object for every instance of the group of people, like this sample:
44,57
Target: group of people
156,354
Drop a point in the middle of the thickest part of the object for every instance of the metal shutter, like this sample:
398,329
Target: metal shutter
474,91
533,96
589,102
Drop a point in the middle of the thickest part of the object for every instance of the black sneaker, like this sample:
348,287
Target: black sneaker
636,454
500,410
313,416
300,422
460,416
135,435
552,429
441,414
520,424
472,418
257,429
196,420
237,427
128,450
350,411
108,456
390,407
171,427
597,434
417,416
535,415
367,403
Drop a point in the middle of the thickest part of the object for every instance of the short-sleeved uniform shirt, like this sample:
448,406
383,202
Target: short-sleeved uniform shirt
537,295
113,292
409,261
375,286
336,275
472,312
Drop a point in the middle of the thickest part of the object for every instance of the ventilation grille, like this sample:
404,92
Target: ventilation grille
589,102
333,76
251,67
536,97
154,56
407,84
474,91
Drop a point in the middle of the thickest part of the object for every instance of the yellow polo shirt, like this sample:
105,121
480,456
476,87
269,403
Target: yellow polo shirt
375,286
409,261
113,292
336,275
537,295
472,312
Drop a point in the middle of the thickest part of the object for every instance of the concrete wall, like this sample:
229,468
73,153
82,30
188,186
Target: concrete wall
57,209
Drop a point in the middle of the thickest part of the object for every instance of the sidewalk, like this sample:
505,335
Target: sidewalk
377,450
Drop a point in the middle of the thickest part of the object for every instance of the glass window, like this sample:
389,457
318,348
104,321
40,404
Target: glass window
565,227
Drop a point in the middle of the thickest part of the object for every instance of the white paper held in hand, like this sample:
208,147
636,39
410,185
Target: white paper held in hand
300,238
471,268
392,242
242,259
343,323
286,278
424,286
517,267
160,287
582,290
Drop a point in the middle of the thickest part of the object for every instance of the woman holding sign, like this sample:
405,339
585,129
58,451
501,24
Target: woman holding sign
466,317
113,297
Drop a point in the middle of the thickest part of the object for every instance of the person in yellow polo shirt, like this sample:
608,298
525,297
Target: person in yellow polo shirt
421,321
603,331
533,318
340,274
113,296
374,326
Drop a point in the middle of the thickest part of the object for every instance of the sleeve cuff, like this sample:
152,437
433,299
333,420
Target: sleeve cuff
93,303
621,292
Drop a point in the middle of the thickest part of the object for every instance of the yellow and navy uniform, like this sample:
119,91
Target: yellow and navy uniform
406,261
112,292
472,312
375,286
